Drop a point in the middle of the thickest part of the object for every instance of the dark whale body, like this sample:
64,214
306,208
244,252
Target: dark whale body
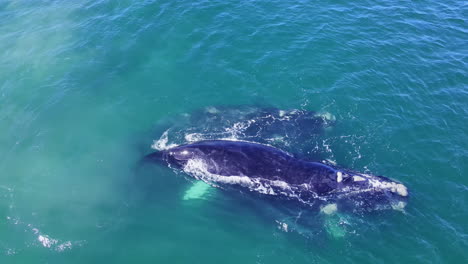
271,171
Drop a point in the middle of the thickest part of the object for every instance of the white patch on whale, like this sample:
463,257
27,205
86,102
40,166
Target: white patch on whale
282,226
392,186
358,178
198,169
376,183
44,239
339,176
237,129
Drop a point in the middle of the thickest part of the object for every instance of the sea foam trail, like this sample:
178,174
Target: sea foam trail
163,142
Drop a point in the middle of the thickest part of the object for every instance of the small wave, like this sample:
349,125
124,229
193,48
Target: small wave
49,242
43,239
282,226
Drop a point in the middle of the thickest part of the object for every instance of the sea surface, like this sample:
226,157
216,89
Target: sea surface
86,88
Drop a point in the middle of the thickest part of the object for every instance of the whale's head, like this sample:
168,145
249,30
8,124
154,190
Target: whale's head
369,192
179,156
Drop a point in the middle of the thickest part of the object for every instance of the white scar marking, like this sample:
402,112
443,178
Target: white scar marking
401,190
339,176
358,178
393,186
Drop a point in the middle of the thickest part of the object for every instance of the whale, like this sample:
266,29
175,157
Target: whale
295,130
270,171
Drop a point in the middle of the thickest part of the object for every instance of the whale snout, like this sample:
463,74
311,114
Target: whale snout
388,185
374,191
400,189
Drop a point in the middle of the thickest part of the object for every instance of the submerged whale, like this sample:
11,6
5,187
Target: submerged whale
270,171
289,129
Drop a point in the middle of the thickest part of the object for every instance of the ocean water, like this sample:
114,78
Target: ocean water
86,86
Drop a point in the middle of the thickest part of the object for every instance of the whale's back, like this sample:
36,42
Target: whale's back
238,158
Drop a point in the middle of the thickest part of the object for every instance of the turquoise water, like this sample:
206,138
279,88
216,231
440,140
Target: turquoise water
83,84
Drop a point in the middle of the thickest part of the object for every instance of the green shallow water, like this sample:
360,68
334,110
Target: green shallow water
83,84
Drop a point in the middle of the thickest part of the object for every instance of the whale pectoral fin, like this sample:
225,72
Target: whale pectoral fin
329,209
335,226
335,223
198,190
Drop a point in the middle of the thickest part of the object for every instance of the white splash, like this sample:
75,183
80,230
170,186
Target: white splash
193,137
238,128
48,242
10,252
376,184
392,186
326,116
282,226
45,240
162,142
64,246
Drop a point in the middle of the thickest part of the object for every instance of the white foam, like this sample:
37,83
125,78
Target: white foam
46,241
238,128
199,170
358,178
284,115
329,209
392,186
282,226
162,142
193,137
326,116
